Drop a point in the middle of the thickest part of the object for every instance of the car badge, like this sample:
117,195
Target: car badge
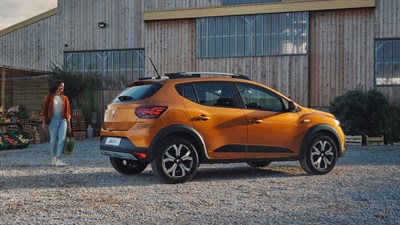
113,113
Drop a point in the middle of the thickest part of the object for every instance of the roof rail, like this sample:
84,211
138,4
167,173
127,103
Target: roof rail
209,73
198,74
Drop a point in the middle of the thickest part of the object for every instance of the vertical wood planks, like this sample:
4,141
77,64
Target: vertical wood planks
340,42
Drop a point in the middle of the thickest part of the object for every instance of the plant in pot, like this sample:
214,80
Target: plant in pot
22,116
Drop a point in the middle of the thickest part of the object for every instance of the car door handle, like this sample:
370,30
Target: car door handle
203,117
255,121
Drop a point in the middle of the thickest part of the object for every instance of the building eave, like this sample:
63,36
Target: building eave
28,22
248,9
13,72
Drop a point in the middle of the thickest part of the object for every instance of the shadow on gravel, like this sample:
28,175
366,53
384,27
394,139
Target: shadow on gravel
68,179
245,173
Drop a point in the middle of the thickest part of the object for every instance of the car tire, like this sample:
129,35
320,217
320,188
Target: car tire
176,162
320,155
258,164
128,167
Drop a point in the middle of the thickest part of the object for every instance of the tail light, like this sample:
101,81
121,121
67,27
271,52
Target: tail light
150,112
140,155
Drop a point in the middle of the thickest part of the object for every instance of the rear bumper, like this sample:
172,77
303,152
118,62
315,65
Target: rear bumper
125,149
119,155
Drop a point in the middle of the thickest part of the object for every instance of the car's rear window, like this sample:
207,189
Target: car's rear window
139,92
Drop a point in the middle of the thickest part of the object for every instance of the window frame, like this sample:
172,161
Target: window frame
107,65
137,92
238,101
281,99
244,32
376,72
181,90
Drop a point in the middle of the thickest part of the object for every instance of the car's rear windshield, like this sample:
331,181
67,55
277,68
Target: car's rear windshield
139,92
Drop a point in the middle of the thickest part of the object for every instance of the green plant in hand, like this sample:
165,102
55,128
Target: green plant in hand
69,146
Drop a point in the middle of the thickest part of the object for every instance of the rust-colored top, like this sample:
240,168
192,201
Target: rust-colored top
48,107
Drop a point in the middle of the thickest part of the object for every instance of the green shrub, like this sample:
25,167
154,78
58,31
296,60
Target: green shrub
394,126
366,113
350,110
377,115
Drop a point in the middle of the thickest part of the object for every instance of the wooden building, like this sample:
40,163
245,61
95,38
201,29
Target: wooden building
310,50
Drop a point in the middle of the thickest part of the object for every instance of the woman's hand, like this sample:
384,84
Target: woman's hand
44,126
69,130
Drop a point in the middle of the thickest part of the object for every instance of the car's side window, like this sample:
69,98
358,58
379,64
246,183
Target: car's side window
255,97
189,93
214,94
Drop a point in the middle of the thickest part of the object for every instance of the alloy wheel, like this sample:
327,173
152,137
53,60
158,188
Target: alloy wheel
322,155
177,161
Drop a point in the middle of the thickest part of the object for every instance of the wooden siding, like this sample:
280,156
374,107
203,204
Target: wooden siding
341,53
123,18
28,93
342,50
387,19
35,46
387,25
29,21
74,28
171,45
124,30
286,74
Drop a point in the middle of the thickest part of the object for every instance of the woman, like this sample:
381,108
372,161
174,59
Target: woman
56,109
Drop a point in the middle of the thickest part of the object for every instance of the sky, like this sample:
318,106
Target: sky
15,11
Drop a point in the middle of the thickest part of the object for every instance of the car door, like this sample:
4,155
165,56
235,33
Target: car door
217,118
272,130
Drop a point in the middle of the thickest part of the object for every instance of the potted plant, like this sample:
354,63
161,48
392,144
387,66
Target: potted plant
22,116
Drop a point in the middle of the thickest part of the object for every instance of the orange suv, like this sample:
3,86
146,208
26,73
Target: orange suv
182,120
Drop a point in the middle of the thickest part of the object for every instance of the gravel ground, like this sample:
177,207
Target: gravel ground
362,189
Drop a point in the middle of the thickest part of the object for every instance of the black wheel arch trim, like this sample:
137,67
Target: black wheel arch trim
322,128
175,129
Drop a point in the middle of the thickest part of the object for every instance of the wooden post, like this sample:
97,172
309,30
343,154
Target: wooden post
3,91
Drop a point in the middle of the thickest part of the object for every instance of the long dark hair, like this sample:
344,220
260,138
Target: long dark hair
54,86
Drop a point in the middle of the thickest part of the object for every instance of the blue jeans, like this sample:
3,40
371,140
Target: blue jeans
58,132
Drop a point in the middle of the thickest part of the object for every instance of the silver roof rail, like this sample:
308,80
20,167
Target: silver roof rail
208,73
198,74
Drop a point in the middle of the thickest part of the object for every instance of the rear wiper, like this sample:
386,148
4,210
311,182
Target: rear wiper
124,98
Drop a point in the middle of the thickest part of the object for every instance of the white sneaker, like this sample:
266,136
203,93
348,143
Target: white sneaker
53,160
59,162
